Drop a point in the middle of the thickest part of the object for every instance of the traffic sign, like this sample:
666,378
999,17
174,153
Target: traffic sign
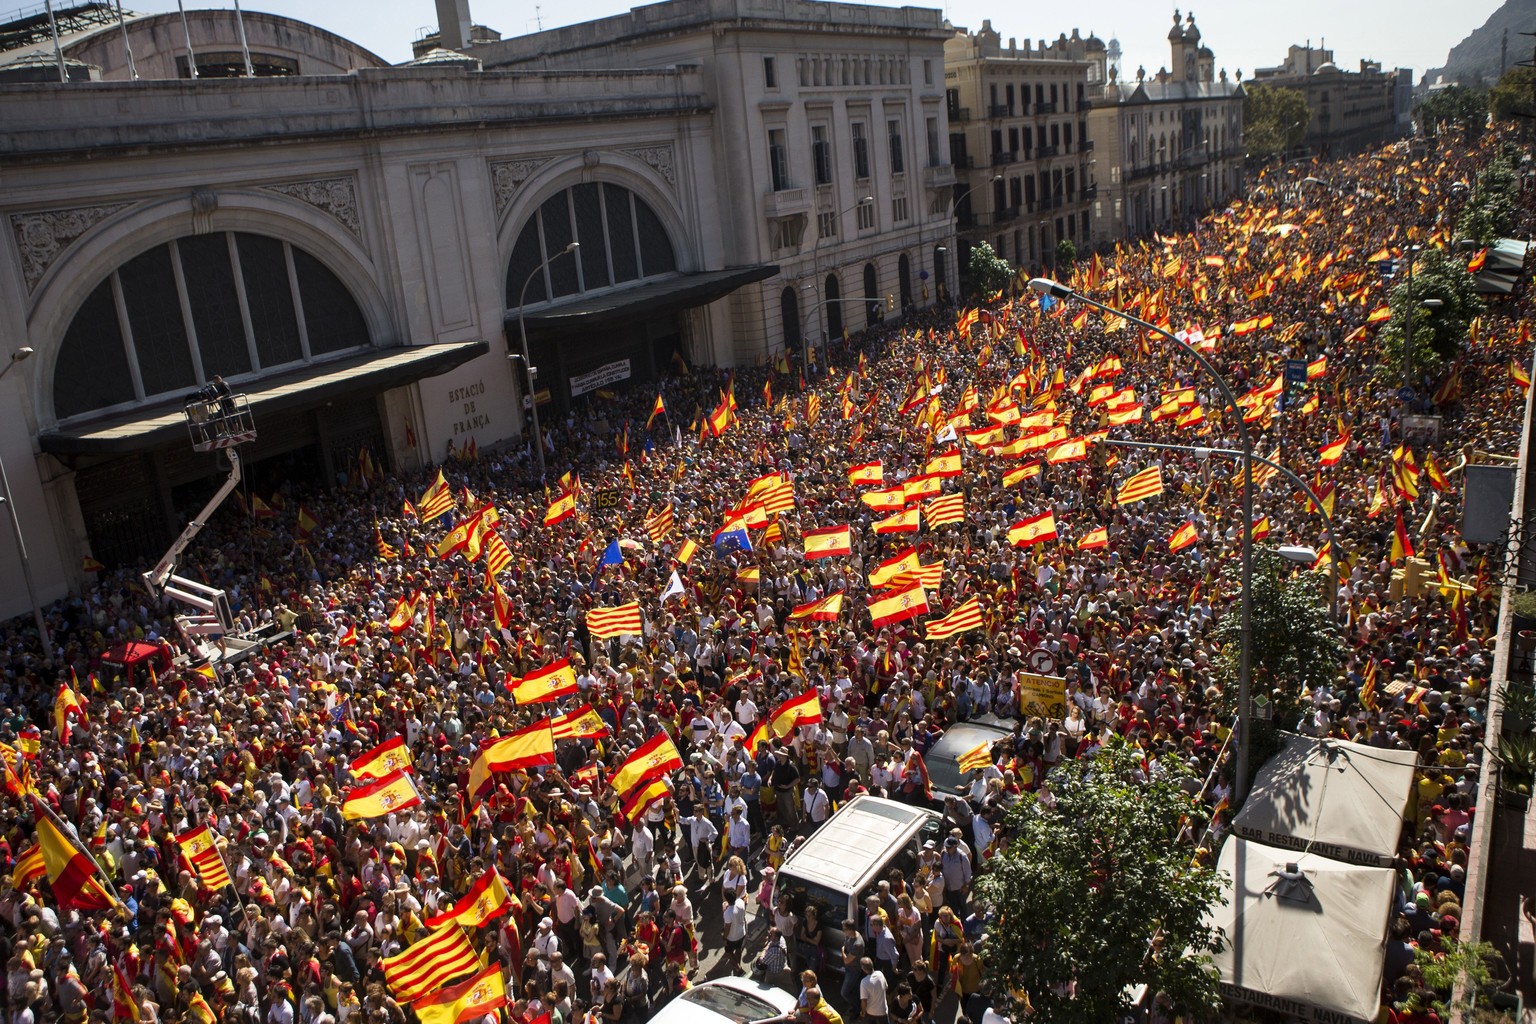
1042,661
1295,371
1405,395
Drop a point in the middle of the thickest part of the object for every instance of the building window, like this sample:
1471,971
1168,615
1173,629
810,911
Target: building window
860,151
789,313
898,161
770,74
927,71
778,159
826,225
621,239
899,209
834,307
936,157
240,305
866,216
785,232
821,154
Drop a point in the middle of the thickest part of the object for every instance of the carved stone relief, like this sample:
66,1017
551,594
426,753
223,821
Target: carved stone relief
335,196
43,235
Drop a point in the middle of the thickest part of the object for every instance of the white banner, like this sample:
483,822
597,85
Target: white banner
594,379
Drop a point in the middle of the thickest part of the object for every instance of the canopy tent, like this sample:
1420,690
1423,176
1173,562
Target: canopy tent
1507,254
1306,935
1332,798
135,654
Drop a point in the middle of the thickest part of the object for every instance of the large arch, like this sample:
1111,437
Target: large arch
77,274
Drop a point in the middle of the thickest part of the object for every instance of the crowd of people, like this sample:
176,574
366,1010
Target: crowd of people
609,915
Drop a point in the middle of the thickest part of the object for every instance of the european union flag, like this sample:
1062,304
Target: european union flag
738,537
612,555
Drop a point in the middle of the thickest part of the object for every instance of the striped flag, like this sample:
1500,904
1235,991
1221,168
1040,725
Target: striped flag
975,759
202,853
804,709
442,957
828,542
581,724
1183,537
886,572
1333,451
375,799
438,501
498,557
1014,477
653,759
561,509
75,878
553,680
828,609
624,620
29,866
486,900
384,759
868,473
1146,484
1033,530
948,510
1094,539
930,576
468,1000
964,618
660,524
906,521
526,748
898,605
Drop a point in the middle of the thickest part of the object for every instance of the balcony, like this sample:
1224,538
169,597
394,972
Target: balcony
1084,105
1086,146
959,113
965,220
1003,158
1005,214
1046,152
1051,203
1045,108
1191,158
997,110
787,201
1150,170
939,176
1090,193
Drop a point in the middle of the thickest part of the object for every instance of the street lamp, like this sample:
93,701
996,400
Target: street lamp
21,354
1045,286
522,330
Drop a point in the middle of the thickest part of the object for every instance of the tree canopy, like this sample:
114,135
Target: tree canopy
989,272
1438,333
1095,895
1457,107
1275,119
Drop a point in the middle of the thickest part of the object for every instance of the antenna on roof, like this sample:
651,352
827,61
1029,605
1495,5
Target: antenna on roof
133,71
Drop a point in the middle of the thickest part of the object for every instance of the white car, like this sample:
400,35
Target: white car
729,1000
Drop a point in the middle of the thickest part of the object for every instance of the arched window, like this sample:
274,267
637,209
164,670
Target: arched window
621,238
789,312
874,305
834,308
172,318
940,271
904,278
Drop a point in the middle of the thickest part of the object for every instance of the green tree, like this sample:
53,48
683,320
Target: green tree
1066,252
1466,964
989,272
1514,97
1275,119
1456,107
1490,210
1438,332
1294,638
1095,894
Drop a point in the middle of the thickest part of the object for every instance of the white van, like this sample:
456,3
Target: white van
845,860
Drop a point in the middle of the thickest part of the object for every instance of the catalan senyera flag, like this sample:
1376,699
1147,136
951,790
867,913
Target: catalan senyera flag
624,620
930,576
72,874
976,759
485,901
908,520
441,958
660,524
828,542
653,759
804,709
1333,451
561,509
29,867
1014,477
528,747
946,510
466,1001
203,854
583,723
827,609
385,759
1033,530
1094,539
1146,484
893,567
394,792
1183,537
545,684
498,557
898,605
438,501
965,617
868,473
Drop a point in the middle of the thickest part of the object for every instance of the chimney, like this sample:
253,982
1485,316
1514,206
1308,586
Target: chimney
453,25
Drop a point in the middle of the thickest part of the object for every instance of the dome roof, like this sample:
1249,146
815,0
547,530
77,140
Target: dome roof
1330,68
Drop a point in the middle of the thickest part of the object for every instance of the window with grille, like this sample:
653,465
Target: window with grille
893,130
821,154
621,240
866,216
860,151
778,159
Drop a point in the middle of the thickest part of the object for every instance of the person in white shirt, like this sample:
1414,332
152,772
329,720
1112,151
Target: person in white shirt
734,913
817,805
746,712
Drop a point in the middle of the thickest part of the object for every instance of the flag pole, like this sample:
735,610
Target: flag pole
70,833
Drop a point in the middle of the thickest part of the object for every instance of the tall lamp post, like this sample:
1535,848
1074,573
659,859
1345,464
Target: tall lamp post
963,196
522,331
25,352
1056,290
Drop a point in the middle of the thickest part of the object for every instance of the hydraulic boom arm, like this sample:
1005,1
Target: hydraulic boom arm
157,576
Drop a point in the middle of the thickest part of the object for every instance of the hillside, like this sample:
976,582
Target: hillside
1477,56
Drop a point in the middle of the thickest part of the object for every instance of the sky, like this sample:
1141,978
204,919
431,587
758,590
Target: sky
1243,33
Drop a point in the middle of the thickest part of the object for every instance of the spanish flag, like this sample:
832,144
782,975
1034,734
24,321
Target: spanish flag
1333,451
1402,544
1261,528
638,802
405,611
394,792
944,464
906,521
385,759
804,709
72,874
486,900
1033,530
828,609
1094,539
898,605
203,854
525,748
1379,314
653,759
468,1000
828,542
581,724
886,499
659,409
892,567
1073,450
65,706
1183,537
868,473
553,680
1014,477
1146,484
561,509
430,964
1518,374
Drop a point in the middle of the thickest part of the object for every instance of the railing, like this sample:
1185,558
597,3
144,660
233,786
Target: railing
1043,152
1002,158
999,110
1086,146
965,220
1045,108
959,113
1084,105
1052,203
1006,213
1137,173
1090,193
